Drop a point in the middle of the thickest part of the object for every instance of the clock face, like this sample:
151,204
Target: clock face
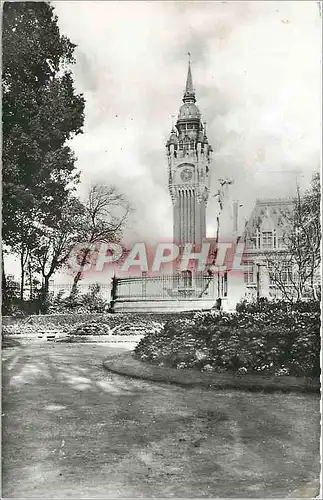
186,174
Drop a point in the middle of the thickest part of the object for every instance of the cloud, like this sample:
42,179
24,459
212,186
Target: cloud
256,69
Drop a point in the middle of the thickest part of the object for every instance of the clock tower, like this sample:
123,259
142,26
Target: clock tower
189,157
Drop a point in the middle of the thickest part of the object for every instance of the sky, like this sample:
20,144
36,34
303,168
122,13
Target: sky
256,71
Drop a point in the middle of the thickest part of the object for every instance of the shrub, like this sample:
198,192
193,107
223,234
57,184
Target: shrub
90,302
104,326
273,338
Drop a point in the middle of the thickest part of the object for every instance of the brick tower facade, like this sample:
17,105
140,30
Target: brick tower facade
189,157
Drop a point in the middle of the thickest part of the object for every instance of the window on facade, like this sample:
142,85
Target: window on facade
257,239
272,274
285,275
249,275
279,274
281,240
267,239
192,144
180,144
223,285
190,125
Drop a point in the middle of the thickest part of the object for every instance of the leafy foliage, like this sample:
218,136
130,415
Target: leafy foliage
41,112
90,302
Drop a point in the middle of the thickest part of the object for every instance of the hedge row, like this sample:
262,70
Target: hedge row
91,324
111,318
273,338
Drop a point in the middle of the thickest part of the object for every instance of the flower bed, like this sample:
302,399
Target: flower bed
122,328
269,338
90,324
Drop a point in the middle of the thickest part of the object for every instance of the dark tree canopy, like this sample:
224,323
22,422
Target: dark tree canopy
41,111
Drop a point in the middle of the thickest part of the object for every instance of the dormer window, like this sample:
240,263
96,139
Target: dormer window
267,240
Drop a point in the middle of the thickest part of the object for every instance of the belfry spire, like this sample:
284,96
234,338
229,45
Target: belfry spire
189,94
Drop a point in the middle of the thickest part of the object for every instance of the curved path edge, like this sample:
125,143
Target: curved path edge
126,364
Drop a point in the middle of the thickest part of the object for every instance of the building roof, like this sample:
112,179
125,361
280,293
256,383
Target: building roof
268,214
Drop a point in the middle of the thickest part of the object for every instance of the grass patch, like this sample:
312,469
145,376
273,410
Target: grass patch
9,343
127,364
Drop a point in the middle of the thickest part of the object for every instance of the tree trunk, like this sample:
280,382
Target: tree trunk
313,287
22,275
44,295
30,281
4,281
78,275
23,260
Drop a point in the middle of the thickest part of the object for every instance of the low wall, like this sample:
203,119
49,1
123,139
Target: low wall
156,307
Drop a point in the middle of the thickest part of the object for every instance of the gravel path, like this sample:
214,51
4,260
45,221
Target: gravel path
70,429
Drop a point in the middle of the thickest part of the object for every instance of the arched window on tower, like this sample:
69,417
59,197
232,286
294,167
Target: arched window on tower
187,278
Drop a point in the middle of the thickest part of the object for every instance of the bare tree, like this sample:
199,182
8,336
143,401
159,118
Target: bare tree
56,240
106,214
294,267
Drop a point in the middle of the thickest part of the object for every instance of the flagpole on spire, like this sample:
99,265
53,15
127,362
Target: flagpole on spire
189,90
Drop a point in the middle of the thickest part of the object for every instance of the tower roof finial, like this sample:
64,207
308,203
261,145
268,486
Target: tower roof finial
173,128
189,93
